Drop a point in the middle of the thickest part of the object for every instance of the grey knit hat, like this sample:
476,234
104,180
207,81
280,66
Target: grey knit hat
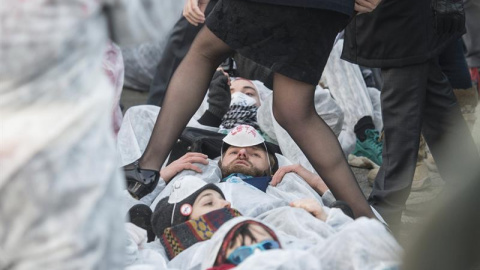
177,207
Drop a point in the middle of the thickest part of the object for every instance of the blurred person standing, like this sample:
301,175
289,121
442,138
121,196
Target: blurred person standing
404,39
60,188
472,39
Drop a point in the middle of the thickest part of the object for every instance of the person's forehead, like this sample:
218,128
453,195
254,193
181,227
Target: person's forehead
255,147
242,83
207,193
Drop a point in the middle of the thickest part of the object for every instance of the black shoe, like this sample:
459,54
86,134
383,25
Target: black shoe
344,207
141,216
140,182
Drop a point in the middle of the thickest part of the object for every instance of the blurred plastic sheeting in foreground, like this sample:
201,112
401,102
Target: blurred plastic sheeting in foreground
60,185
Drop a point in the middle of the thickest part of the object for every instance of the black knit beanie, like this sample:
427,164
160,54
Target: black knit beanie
162,216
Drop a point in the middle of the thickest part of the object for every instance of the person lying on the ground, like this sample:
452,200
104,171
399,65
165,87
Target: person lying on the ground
247,243
244,158
231,102
185,220
139,120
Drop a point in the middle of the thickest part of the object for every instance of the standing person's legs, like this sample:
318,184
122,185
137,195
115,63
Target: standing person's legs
403,98
453,64
294,110
445,130
178,44
185,93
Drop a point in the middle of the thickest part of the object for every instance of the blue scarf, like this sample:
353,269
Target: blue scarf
259,182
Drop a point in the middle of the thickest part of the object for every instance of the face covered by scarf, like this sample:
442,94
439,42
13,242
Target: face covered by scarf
242,111
177,238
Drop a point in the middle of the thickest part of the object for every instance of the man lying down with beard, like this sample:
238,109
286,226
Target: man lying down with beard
246,159
244,174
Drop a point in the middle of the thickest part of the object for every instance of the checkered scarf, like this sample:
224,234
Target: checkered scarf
180,237
240,115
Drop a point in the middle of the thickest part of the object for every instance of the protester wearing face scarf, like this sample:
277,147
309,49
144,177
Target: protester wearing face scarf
231,103
191,214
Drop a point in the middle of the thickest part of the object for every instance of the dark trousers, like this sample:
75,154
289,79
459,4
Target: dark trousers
418,99
178,44
454,66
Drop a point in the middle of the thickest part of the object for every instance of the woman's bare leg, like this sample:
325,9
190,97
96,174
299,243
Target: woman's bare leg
294,110
184,95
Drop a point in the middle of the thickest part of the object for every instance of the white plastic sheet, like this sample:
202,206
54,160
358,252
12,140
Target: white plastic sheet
345,82
60,186
113,66
338,243
143,21
309,243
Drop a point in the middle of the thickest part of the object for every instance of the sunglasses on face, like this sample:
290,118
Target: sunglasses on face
241,253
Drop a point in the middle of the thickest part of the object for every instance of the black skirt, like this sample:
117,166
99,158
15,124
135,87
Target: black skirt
292,41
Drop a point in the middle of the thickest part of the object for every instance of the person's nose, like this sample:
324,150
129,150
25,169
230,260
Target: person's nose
226,204
242,153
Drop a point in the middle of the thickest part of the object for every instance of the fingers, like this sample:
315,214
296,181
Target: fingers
193,157
361,9
192,12
367,4
189,166
311,206
278,176
226,75
302,203
184,163
364,6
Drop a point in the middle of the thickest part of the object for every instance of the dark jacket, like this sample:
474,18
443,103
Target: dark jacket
342,6
397,33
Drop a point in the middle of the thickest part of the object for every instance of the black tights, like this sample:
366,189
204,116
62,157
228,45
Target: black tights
185,93
293,108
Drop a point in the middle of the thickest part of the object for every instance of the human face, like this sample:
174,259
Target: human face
257,234
247,160
207,201
246,87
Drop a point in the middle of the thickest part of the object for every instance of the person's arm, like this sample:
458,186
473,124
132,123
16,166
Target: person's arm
311,206
219,98
183,163
314,180
194,11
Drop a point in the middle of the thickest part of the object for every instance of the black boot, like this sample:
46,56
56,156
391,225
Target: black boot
140,182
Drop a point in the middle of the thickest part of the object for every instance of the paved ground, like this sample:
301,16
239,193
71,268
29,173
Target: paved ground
419,202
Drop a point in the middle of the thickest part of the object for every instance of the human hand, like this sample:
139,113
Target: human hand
183,163
314,180
311,206
365,6
219,96
194,11
229,82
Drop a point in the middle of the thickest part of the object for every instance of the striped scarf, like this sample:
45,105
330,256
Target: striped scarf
180,237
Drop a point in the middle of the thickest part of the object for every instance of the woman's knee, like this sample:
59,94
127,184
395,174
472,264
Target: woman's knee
288,117
210,47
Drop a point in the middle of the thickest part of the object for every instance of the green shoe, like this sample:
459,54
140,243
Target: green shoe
371,148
